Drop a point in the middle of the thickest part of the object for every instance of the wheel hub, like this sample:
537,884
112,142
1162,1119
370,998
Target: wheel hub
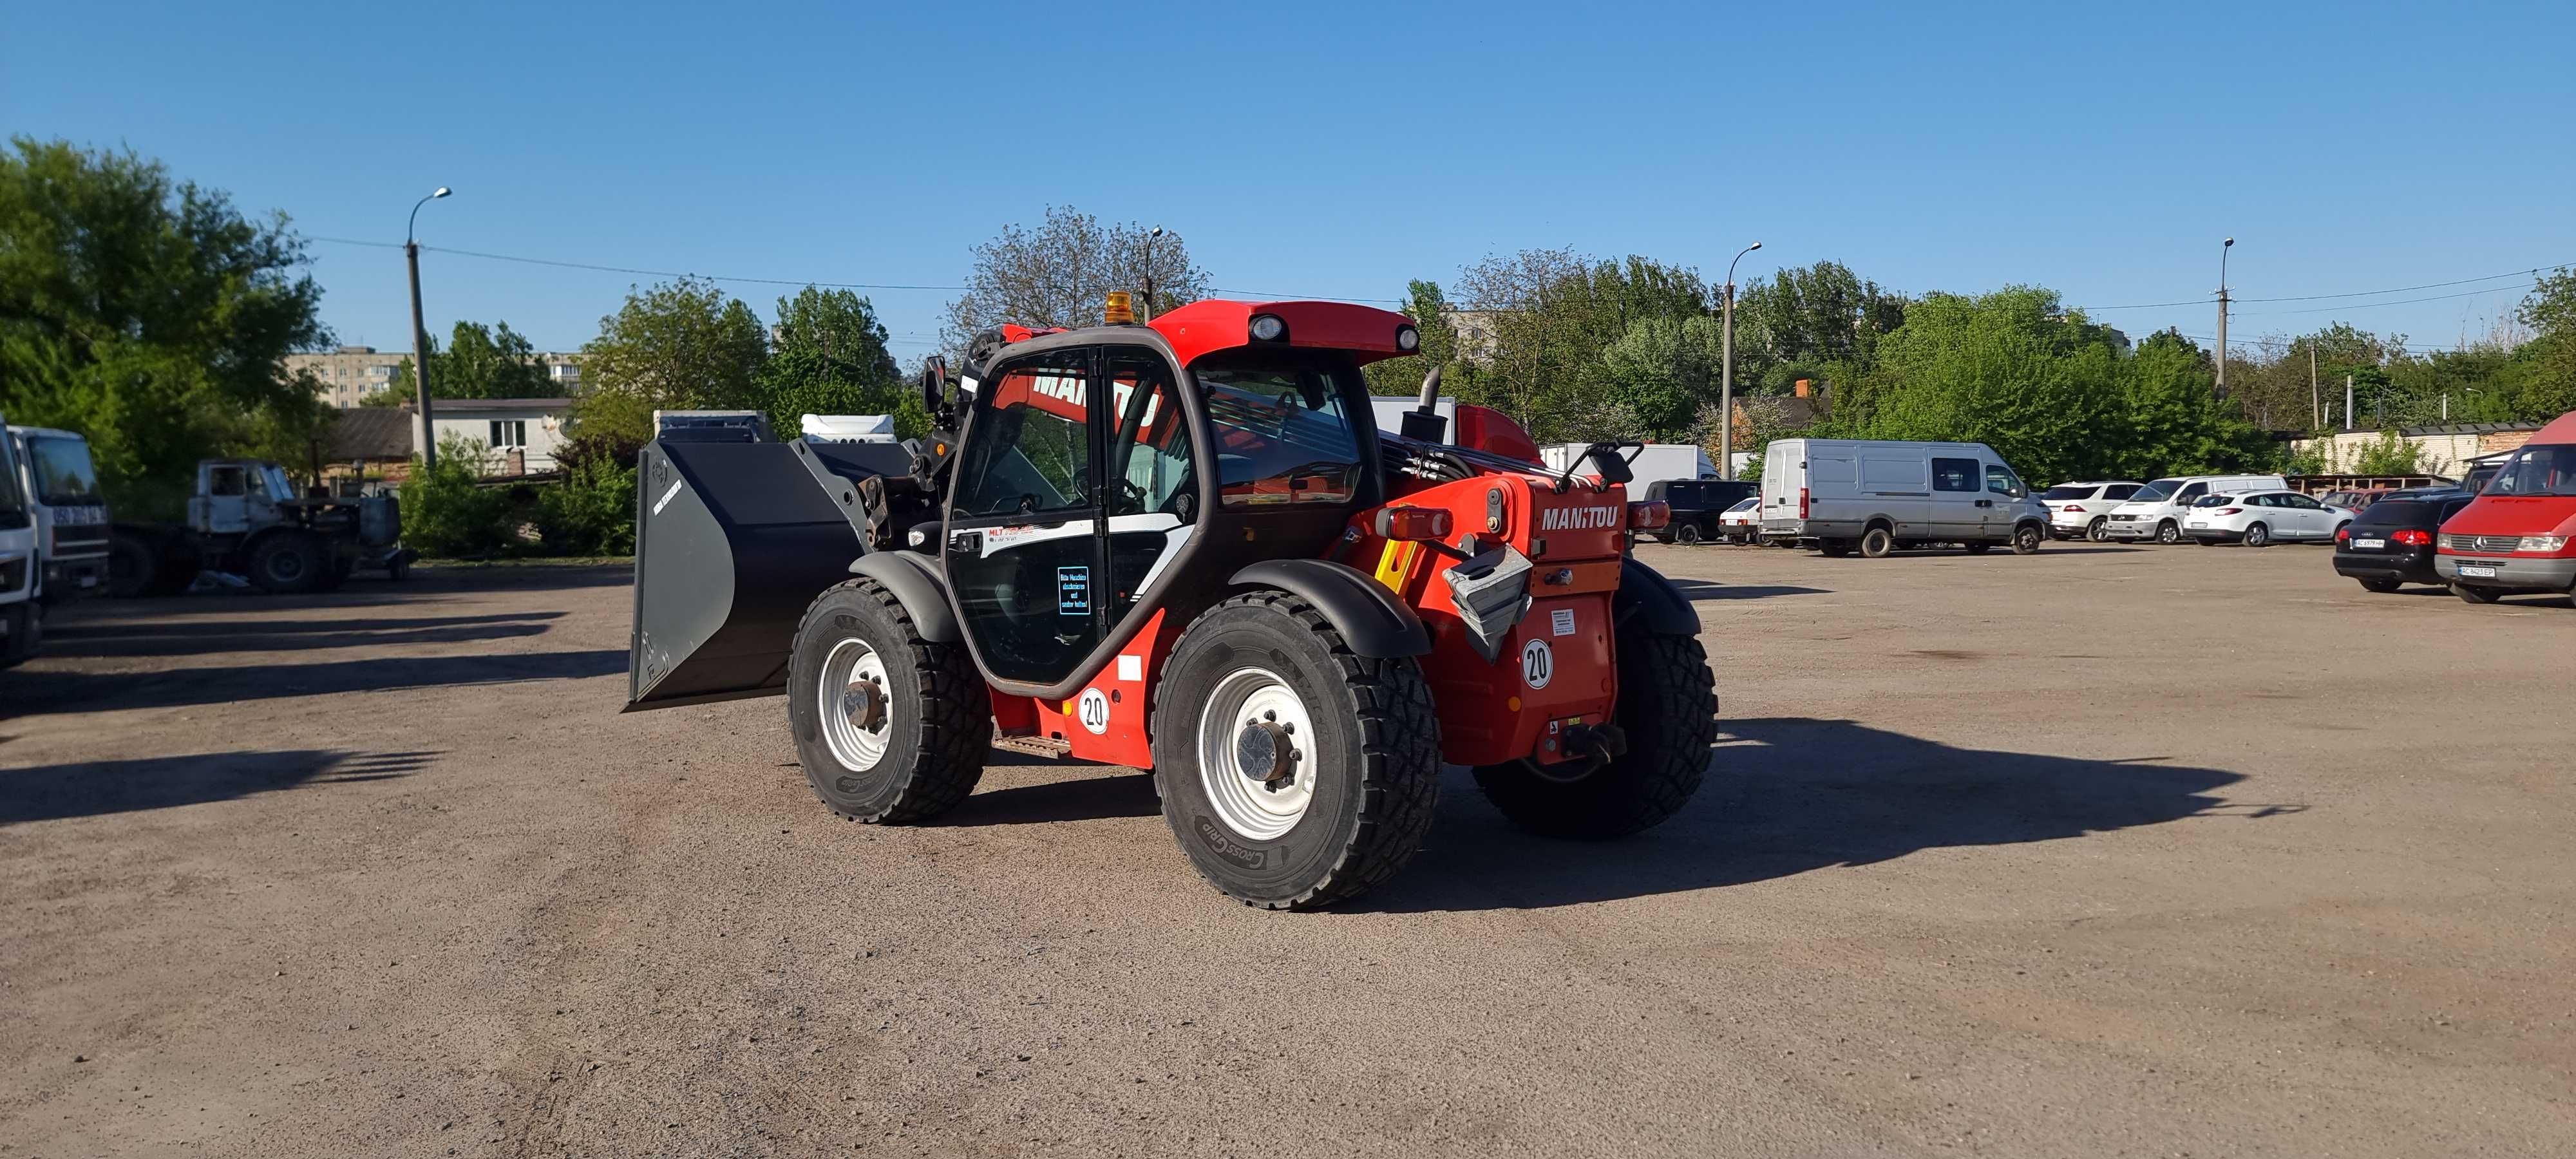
857,706
1265,751
1254,742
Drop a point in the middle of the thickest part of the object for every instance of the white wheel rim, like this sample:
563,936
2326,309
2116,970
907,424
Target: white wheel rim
1256,808
855,702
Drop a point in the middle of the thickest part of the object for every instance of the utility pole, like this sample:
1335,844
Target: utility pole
423,431
1726,373
1148,314
2347,402
2229,244
2316,405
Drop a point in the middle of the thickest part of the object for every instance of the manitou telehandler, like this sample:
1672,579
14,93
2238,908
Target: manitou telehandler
1185,546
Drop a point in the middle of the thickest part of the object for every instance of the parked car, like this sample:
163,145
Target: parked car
1742,522
1845,495
2261,518
2156,511
2082,510
1696,504
2391,544
2519,534
2355,500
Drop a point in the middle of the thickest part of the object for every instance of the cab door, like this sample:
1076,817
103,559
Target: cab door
226,487
1022,549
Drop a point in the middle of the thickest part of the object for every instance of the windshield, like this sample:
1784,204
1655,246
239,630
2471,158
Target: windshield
2156,492
13,502
2542,470
2213,501
1746,504
2064,491
1282,433
63,473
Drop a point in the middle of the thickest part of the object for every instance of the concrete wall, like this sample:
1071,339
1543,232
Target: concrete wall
544,432
2435,454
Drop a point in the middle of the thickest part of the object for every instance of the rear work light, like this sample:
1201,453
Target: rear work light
1413,523
1408,339
1802,502
2410,537
1269,328
1651,515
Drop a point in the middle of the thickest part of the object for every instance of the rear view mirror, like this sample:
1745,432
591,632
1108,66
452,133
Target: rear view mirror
934,382
1607,463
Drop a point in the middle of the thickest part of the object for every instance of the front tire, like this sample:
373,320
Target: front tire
2168,532
891,728
1668,708
2025,540
288,562
1294,772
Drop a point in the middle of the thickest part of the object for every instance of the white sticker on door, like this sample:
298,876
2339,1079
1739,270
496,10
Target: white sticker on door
1561,621
1538,663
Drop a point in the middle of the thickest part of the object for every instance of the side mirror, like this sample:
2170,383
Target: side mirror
934,382
1606,463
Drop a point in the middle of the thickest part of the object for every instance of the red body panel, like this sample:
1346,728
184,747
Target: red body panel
2522,514
1214,324
1119,694
1494,433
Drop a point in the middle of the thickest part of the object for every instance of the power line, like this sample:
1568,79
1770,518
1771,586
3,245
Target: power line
2399,302
2322,297
643,272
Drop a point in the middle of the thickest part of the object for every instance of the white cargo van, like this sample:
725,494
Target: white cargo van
1844,495
2155,511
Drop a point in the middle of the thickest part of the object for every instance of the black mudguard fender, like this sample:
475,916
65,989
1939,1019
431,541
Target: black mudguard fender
1362,610
918,586
1645,593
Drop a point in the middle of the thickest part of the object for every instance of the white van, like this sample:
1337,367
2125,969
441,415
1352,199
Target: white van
2156,510
1843,495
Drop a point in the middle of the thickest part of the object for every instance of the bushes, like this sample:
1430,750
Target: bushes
590,511
445,514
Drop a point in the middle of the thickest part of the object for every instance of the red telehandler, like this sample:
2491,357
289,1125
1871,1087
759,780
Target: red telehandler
1184,546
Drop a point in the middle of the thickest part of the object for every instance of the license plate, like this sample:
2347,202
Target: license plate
89,581
2195,523
2370,544
2470,569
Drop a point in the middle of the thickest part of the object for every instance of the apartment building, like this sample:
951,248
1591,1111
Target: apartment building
351,373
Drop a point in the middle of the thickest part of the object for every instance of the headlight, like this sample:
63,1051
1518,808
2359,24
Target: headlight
2542,542
1408,339
1268,328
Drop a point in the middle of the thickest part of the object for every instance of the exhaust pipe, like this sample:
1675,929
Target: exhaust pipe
1423,424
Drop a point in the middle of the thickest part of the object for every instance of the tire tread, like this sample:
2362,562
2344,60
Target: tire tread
956,715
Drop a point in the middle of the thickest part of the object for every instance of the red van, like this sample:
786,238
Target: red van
2519,535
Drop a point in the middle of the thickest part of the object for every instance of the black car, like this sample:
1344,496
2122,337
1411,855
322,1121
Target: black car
2391,541
1696,504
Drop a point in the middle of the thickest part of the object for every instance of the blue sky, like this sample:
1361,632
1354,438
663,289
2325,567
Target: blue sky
1339,149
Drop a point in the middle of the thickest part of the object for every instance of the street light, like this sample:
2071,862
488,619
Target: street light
2223,247
1149,273
1726,375
427,434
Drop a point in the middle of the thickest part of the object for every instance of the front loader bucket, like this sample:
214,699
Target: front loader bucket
732,541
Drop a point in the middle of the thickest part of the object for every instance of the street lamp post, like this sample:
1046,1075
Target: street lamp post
427,434
1148,315
1726,375
2222,314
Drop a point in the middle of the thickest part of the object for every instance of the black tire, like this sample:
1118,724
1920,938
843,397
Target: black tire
399,570
1686,533
2476,595
1835,548
1668,708
287,562
2168,532
938,712
2382,586
26,623
1876,542
132,565
1374,751
2257,535
1978,548
2025,540
2099,531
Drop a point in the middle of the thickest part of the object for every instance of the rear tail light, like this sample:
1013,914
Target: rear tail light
2073,509
1413,523
2228,511
2410,537
1802,502
1650,515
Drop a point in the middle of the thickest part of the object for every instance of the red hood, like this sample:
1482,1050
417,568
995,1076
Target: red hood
2516,515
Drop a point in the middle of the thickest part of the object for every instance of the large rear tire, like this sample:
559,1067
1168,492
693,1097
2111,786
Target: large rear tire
891,728
1876,542
1294,772
1668,709
26,624
1687,533
2099,530
288,562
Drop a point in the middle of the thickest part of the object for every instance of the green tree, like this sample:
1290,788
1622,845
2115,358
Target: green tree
1803,322
1664,373
1537,324
145,312
479,362
2389,454
830,357
1060,274
2544,384
682,345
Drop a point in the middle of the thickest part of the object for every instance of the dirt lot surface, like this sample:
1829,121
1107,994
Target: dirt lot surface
2105,851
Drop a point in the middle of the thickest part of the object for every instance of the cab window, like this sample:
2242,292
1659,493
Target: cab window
1032,454
226,482
2120,491
1282,429
2191,492
2000,481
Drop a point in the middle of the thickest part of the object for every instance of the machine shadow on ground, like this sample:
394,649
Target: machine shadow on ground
1077,794
1699,589
1786,796
192,637
92,788
31,690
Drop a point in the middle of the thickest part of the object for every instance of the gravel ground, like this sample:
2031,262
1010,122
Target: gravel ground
2100,852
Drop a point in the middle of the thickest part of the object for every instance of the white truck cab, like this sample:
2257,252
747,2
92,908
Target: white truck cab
1845,495
21,618
60,487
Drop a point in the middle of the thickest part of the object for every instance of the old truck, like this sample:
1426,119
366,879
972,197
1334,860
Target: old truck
21,616
71,521
1185,546
246,518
